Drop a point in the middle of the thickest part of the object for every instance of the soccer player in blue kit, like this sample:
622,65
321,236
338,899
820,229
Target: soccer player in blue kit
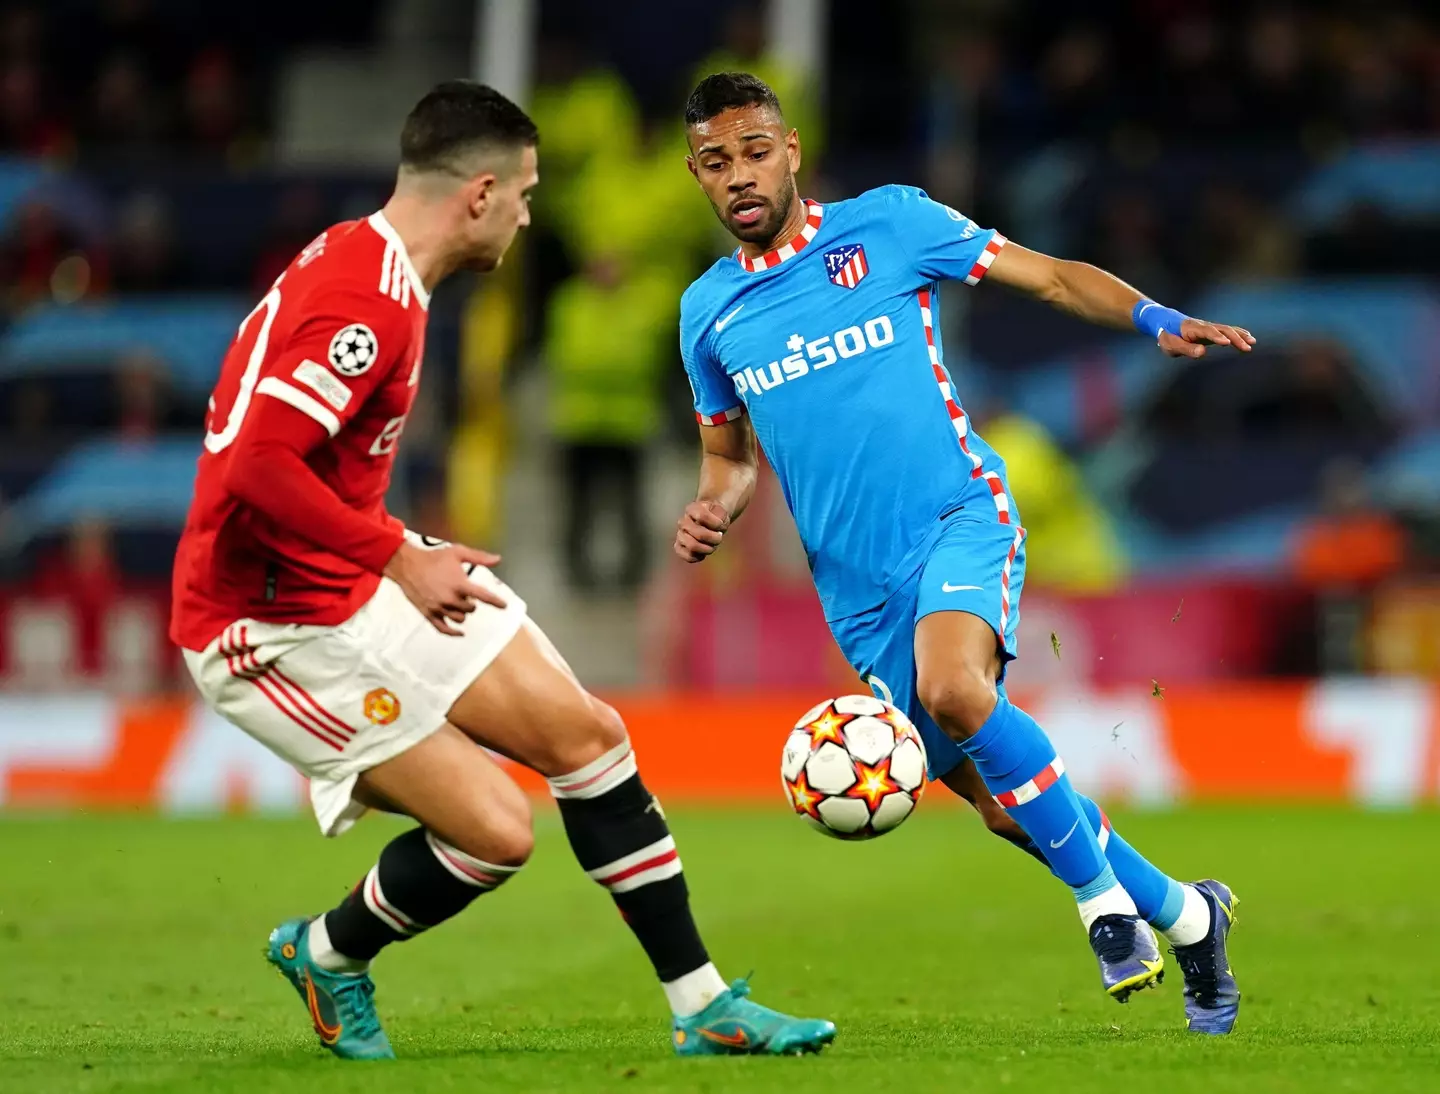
819,337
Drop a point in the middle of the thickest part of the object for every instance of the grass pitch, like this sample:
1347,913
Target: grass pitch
130,960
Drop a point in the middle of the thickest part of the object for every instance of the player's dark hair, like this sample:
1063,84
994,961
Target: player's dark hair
726,91
458,117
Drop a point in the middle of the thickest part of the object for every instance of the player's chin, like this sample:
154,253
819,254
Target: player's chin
761,231
484,263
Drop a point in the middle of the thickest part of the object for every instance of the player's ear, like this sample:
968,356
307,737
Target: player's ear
694,171
792,149
479,192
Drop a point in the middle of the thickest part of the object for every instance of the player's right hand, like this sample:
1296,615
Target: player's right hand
700,529
437,581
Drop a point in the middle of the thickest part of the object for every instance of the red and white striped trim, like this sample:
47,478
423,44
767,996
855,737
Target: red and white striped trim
721,418
1103,836
383,910
648,865
958,418
1031,789
987,256
284,694
597,777
770,259
1005,578
468,868
302,401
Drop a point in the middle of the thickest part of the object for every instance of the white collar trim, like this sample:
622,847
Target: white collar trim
388,233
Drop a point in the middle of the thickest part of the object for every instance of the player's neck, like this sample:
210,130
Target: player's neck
426,242
794,222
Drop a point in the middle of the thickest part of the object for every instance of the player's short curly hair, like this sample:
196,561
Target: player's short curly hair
458,117
726,91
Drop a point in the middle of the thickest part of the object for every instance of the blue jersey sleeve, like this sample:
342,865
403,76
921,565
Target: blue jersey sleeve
941,243
715,397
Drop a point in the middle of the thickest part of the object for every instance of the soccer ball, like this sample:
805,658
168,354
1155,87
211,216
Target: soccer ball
854,767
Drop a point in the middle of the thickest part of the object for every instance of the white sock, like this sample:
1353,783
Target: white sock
1193,923
327,956
1113,901
691,993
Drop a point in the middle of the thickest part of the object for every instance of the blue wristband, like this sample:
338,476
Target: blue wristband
1151,318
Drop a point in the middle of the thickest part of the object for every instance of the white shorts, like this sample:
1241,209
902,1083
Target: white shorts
337,701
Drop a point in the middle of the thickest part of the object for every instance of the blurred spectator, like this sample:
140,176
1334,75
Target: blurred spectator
213,107
1076,77
25,124
42,257
1129,244
21,32
127,122
1237,237
82,569
1350,543
30,412
142,397
1070,544
145,259
1343,553
1280,91
608,338
299,218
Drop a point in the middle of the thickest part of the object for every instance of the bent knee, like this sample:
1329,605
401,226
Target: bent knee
594,735
961,702
499,829
510,836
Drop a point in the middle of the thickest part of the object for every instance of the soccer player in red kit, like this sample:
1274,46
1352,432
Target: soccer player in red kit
376,661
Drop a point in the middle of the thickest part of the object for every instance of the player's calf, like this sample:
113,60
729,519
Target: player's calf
475,835
623,843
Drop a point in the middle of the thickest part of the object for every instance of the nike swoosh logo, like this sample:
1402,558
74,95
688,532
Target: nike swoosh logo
724,320
948,588
1068,834
328,1033
738,1039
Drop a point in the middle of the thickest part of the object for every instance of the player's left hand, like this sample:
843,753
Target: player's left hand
1196,334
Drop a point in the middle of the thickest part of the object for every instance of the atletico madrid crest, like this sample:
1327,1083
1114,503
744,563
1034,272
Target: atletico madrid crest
846,265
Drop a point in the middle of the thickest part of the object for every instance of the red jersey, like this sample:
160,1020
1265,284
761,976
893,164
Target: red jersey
339,338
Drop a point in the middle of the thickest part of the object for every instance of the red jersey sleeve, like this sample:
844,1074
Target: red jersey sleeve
316,383
338,355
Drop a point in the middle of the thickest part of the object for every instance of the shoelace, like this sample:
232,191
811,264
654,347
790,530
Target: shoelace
1113,938
1202,981
353,999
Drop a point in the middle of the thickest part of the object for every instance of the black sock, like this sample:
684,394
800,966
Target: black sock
620,836
419,881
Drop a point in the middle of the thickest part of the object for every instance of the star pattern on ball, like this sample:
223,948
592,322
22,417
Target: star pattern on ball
804,799
872,783
827,727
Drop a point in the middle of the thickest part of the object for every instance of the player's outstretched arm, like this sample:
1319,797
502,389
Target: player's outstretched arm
728,472
1090,293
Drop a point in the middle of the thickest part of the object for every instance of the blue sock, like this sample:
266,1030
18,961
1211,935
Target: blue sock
1020,768
1158,898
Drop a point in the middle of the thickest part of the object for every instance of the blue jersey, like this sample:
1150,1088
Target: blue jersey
831,344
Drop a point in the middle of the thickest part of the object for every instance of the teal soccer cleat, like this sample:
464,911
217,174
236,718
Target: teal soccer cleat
342,1006
732,1025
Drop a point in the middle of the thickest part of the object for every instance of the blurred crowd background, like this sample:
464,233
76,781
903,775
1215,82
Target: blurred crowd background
1273,165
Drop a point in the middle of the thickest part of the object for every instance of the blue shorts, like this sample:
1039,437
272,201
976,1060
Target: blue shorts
977,566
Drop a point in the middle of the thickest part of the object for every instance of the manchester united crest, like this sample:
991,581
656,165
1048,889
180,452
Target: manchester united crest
381,706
